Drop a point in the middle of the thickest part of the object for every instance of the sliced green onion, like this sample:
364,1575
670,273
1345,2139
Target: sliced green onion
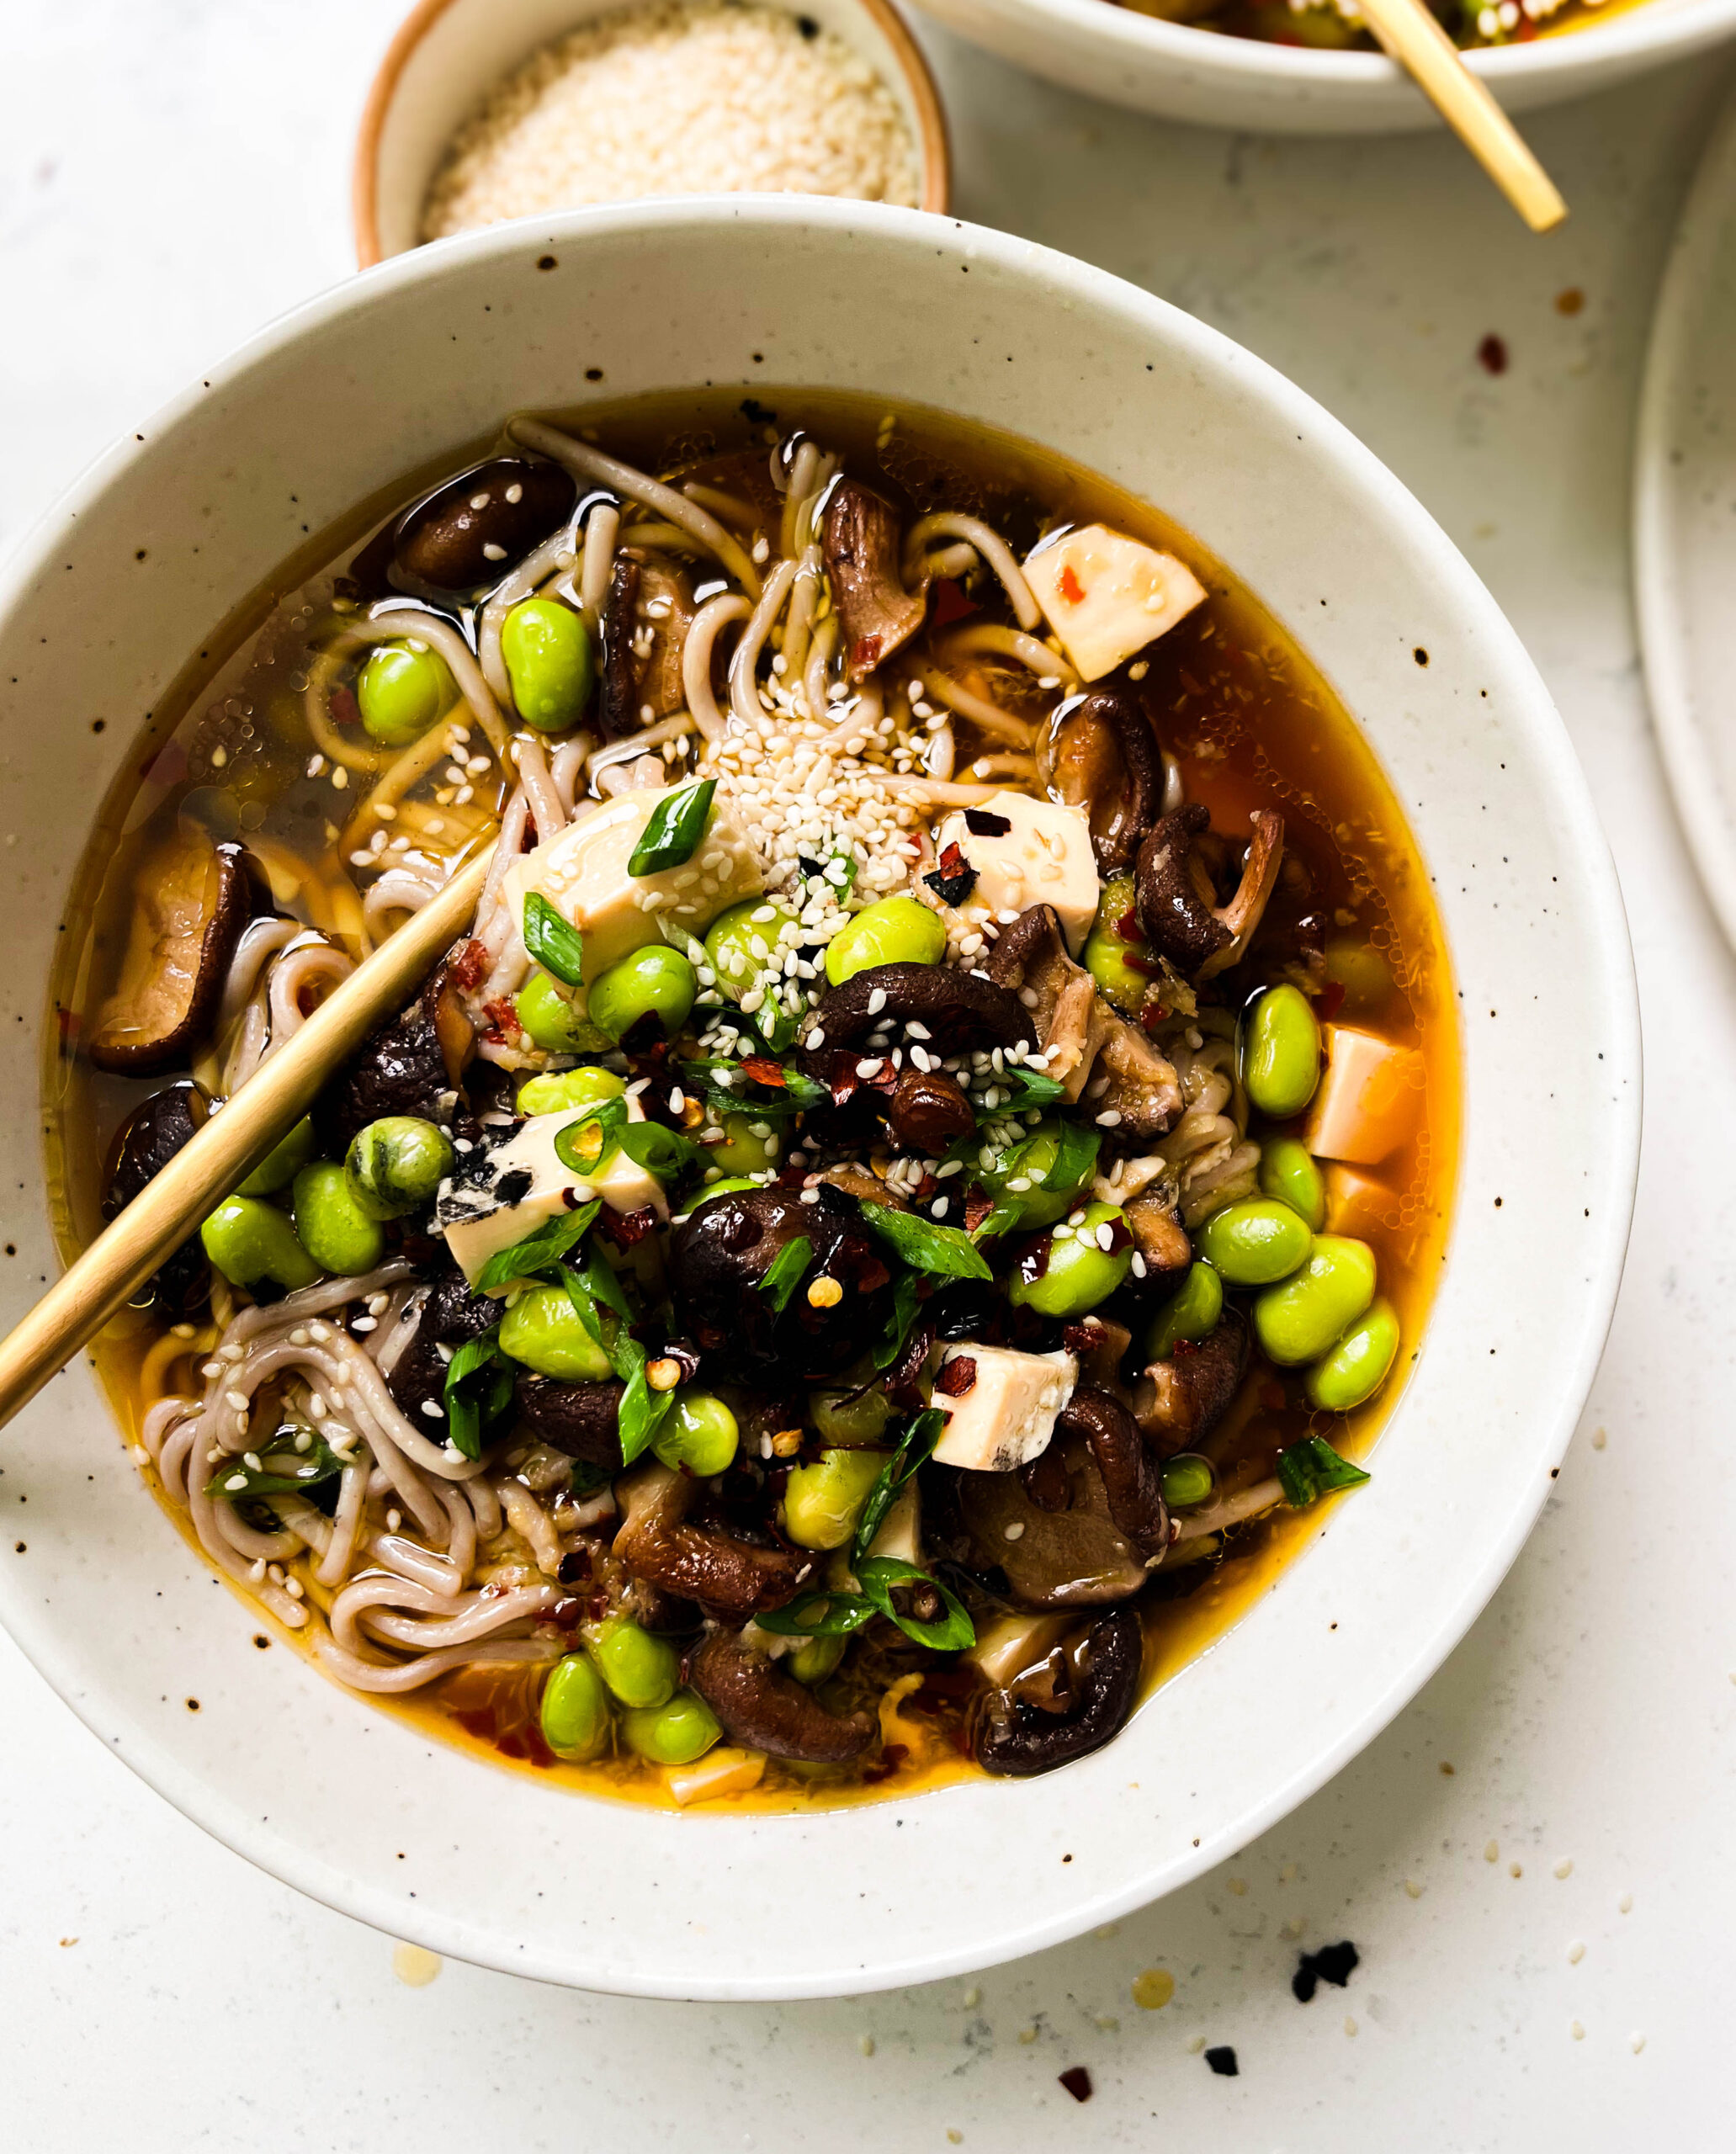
554,943
671,837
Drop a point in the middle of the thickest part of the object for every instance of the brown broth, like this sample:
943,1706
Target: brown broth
1252,723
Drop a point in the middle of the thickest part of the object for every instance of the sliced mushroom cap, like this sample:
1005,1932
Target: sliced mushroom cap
583,1419
143,1146
928,1110
1083,1698
720,1255
961,1011
1106,760
645,630
859,539
767,1710
193,903
1181,1400
733,1577
409,1066
1080,1029
1177,900
475,526
449,1316
1073,1556
1133,1485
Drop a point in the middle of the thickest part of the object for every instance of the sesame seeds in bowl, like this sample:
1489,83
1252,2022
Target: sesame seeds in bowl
487,110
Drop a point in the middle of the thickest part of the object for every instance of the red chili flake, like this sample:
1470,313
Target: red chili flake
626,1230
925,1189
468,964
1121,1236
1129,927
344,708
764,1071
1035,1261
1331,1001
1182,1348
1077,2081
981,822
891,1758
1081,1338
1152,1015
977,1208
950,603
956,1376
864,655
1147,967
954,878
1072,590
1492,355
502,1015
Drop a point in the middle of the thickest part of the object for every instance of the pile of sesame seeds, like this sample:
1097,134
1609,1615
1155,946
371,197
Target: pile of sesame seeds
677,97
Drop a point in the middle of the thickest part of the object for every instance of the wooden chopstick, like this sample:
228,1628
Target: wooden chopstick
230,1145
1410,35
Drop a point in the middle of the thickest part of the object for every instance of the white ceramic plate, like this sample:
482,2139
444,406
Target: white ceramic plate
178,522
1685,520
1230,81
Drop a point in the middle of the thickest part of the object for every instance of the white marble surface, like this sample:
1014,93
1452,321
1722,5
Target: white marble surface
171,171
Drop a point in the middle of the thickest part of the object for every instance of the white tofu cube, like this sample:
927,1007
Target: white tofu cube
582,872
1106,596
1367,1101
1044,857
1007,1416
508,1191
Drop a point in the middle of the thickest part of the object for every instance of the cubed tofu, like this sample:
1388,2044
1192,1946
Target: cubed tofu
582,872
1012,1644
1106,596
720,1772
1366,1104
1043,857
1007,1416
503,1193
1356,1203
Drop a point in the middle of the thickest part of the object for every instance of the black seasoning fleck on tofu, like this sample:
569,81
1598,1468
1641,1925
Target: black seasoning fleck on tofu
1222,2060
1077,2081
983,823
481,1184
1332,1963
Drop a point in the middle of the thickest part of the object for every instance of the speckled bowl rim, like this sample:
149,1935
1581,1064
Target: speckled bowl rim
1414,1533
933,147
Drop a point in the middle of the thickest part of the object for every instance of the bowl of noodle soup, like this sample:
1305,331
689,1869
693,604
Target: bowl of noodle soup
682,368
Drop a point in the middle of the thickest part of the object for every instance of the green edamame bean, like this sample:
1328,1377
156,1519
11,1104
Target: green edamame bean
1107,949
397,1165
823,1502
739,947
639,1669
1255,1241
849,1416
895,931
698,1432
1363,973
672,1734
561,1091
248,1239
547,1014
280,1165
1299,1320
1187,1479
1080,1272
1359,1364
743,1150
543,1329
655,981
1281,1053
1191,1312
814,1659
548,659
1289,1172
1031,1163
401,691
335,1231
576,1713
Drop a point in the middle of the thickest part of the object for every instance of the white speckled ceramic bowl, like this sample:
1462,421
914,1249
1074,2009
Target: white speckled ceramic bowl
1184,73
186,516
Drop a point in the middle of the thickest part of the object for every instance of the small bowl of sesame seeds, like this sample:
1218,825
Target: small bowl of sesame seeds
485,110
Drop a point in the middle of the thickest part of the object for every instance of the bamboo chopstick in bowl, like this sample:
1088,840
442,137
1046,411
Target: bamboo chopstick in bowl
1410,34
229,1146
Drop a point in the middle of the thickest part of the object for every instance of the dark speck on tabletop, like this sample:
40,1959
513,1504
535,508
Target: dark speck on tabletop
1077,2081
1222,2060
1492,355
1332,1963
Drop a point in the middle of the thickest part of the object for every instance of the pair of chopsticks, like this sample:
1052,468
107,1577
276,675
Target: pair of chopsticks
1410,35
231,1144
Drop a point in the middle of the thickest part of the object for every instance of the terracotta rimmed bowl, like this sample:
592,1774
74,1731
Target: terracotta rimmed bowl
449,54
1184,73
173,528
